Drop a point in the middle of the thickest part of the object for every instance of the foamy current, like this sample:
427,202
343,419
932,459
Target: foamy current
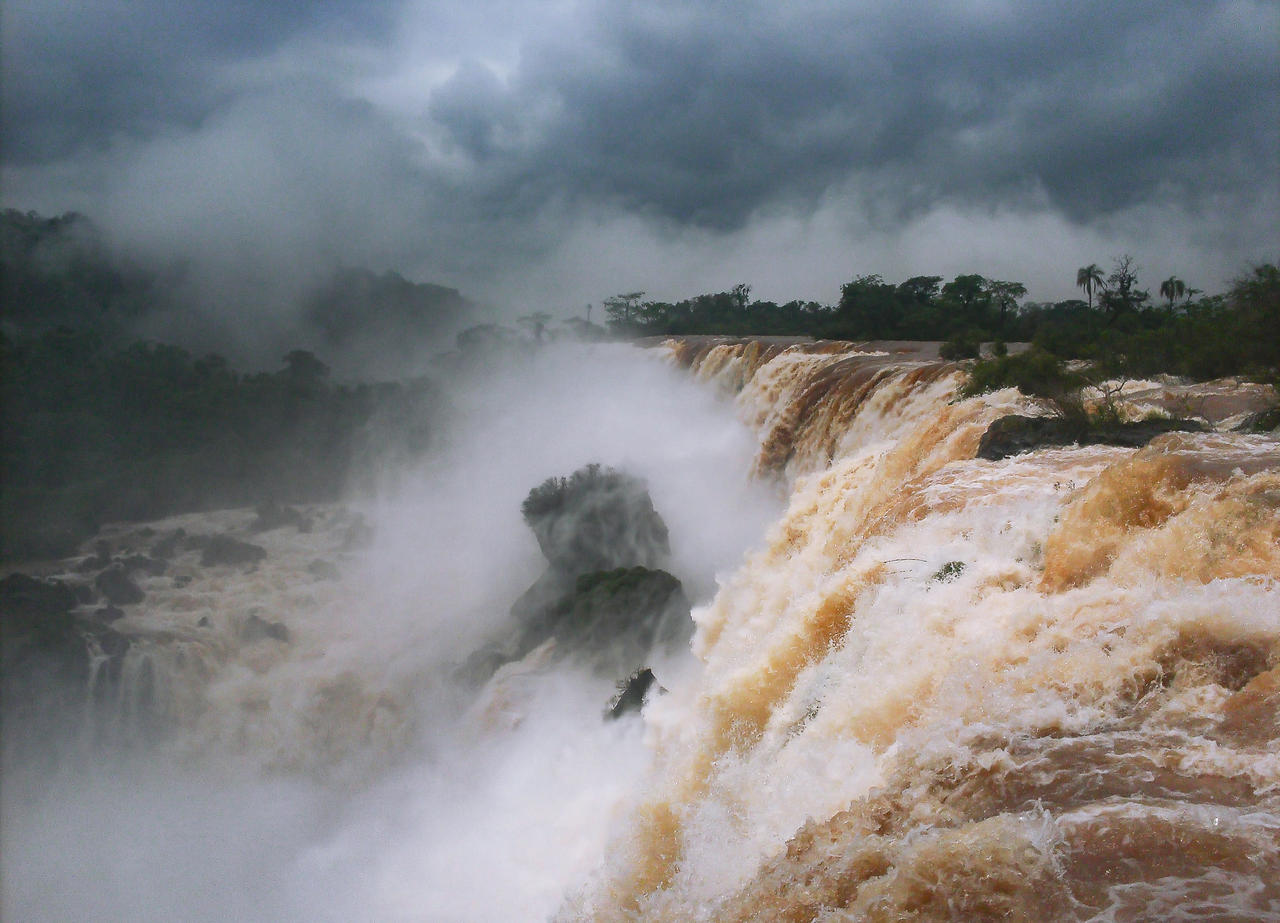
1039,688
922,686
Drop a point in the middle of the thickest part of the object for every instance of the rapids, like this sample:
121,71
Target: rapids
922,685
1040,688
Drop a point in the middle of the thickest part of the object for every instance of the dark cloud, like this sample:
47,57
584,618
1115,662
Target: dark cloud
704,117
77,74
510,149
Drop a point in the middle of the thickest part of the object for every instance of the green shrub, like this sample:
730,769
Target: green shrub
966,345
1036,373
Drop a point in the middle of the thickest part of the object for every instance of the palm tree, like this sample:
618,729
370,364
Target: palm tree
1173,288
1090,278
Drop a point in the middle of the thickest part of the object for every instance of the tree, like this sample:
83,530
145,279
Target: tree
868,308
621,307
304,368
741,292
1005,295
1090,279
1173,288
1122,296
970,293
920,289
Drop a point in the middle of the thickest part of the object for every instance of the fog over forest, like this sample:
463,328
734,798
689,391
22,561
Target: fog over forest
545,159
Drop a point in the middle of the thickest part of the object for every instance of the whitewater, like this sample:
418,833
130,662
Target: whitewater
922,685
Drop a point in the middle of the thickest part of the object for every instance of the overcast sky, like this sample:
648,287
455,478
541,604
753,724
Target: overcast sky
546,155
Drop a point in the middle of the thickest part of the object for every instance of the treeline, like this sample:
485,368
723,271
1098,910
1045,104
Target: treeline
64,272
95,432
1119,323
60,272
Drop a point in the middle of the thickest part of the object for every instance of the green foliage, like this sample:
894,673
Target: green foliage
59,271
948,572
967,345
95,433
1036,373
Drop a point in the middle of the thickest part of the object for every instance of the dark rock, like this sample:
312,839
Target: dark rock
168,545
46,653
84,593
108,614
118,587
182,580
601,599
100,558
596,519
223,550
272,515
204,622
359,534
24,598
152,567
631,694
1014,434
481,665
613,619
325,570
1264,421
257,628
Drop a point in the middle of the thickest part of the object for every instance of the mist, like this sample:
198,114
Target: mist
545,159
455,804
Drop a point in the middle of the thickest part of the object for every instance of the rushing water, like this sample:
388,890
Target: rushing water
934,687
1040,688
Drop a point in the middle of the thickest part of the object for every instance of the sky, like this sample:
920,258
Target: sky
542,156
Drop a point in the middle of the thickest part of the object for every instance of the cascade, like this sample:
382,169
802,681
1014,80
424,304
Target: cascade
922,685
1039,688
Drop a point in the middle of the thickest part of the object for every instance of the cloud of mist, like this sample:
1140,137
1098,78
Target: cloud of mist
484,146
485,814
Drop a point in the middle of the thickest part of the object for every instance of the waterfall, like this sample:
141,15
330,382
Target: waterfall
921,685
1039,688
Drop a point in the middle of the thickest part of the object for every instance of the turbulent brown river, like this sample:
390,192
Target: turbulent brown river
922,685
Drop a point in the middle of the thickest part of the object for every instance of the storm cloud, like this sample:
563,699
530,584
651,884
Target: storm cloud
544,156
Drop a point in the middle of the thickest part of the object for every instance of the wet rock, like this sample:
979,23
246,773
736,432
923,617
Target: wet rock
594,520
613,619
1015,434
108,614
631,694
223,550
601,600
357,534
118,587
100,558
168,545
25,598
152,567
204,622
46,652
481,665
325,570
272,515
257,628
182,580
1264,421
84,593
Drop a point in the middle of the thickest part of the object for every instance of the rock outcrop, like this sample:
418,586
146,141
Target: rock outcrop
1015,434
603,599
